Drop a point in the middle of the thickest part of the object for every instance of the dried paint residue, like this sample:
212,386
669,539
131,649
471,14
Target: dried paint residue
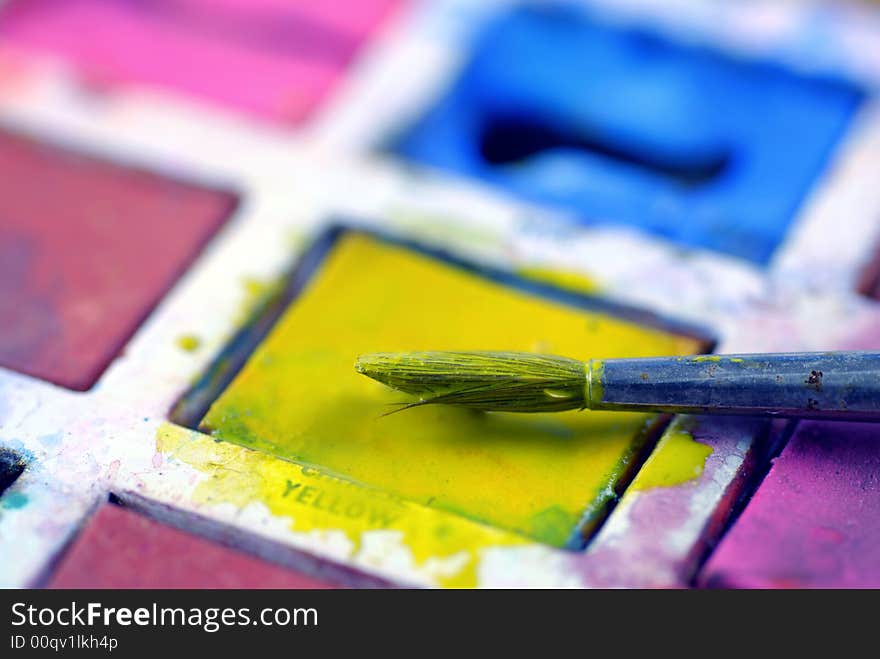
188,342
566,279
715,359
678,458
543,475
13,501
444,548
256,293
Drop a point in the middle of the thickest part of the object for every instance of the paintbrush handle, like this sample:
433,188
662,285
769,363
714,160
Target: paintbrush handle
826,385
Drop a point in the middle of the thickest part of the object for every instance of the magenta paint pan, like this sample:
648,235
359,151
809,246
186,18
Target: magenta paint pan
814,521
273,59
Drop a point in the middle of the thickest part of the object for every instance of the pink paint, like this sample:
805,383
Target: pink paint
15,71
87,248
864,333
275,59
815,520
122,549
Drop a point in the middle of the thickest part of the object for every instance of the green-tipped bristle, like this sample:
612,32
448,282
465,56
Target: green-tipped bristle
489,381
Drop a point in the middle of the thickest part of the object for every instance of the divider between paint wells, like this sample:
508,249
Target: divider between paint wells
285,385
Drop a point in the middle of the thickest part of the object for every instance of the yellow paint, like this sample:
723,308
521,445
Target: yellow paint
572,281
678,458
446,229
256,293
317,501
716,358
188,342
299,397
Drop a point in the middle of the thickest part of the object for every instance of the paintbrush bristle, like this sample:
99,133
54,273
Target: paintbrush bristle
488,381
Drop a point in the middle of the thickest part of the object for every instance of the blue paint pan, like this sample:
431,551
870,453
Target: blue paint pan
623,126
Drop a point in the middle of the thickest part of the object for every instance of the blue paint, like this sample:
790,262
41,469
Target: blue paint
623,126
14,501
52,440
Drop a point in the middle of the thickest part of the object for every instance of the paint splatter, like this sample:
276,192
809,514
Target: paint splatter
188,342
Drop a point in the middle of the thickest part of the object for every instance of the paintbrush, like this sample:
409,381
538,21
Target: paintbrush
820,385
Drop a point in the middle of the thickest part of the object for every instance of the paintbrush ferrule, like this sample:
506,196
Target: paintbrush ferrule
593,391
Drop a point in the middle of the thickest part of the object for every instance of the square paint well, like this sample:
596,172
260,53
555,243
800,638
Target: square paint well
627,127
87,248
814,522
273,59
550,477
120,548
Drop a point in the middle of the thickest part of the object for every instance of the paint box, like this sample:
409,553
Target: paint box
624,125
275,60
80,268
157,385
548,477
120,548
